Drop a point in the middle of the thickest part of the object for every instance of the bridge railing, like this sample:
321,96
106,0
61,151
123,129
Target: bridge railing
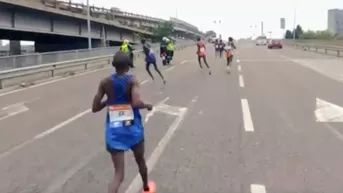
28,75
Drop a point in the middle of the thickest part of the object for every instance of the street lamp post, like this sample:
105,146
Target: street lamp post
89,26
218,27
294,24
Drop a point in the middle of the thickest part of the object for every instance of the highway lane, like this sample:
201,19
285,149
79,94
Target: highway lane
253,130
56,103
291,152
51,104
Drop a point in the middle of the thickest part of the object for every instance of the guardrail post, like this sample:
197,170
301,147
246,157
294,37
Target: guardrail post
53,70
326,50
338,55
77,54
316,49
1,86
39,58
14,62
86,65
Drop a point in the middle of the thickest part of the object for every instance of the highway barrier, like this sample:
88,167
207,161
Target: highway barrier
32,59
334,50
28,75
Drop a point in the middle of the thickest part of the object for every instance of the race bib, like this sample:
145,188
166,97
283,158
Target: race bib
228,48
120,115
163,57
202,50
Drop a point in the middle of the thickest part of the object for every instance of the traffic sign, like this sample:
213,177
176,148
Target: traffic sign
282,23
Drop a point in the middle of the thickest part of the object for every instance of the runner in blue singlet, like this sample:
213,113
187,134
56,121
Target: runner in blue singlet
150,58
124,129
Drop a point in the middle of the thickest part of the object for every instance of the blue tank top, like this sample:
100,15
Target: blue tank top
122,134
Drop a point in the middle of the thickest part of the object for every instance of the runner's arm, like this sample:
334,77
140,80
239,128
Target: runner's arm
135,96
98,105
233,45
131,48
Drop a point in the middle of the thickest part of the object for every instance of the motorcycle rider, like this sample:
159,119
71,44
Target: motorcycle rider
170,50
128,49
163,50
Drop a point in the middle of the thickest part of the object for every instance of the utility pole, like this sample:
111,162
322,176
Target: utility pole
294,24
262,28
89,26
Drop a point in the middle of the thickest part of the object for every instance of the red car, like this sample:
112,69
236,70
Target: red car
275,44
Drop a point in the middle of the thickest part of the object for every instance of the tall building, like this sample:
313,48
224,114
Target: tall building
335,21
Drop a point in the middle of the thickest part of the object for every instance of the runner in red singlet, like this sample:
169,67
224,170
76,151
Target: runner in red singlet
202,54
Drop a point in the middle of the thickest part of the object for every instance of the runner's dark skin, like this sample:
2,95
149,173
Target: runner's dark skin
146,50
203,57
121,63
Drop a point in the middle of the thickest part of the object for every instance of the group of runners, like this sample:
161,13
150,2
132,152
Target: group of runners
124,129
220,48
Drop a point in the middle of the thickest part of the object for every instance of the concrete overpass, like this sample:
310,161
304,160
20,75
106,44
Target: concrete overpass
54,24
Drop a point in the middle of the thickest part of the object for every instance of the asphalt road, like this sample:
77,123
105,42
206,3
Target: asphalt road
251,131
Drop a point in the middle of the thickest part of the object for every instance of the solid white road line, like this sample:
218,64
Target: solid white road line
257,188
144,81
52,81
241,81
12,110
239,68
47,132
136,184
248,124
171,68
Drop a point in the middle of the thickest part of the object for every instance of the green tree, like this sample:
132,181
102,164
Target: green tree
298,31
210,34
288,34
163,30
323,35
308,35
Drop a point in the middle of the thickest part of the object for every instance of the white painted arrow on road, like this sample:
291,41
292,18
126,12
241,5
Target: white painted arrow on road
328,112
12,110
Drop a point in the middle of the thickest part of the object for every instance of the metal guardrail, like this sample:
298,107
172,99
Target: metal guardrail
64,68
25,60
324,49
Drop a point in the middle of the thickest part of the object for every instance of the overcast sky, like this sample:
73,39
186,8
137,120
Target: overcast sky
236,16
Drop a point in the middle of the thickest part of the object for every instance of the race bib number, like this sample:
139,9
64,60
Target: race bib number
202,50
163,57
120,114
151,51
228,48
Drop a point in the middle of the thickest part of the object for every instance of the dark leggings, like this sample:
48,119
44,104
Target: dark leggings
220,53
147,66
204,58
229,60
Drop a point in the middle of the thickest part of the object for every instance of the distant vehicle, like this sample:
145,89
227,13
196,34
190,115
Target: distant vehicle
261,40
275,44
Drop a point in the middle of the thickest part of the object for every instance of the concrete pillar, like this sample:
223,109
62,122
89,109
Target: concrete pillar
103,42
15,48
